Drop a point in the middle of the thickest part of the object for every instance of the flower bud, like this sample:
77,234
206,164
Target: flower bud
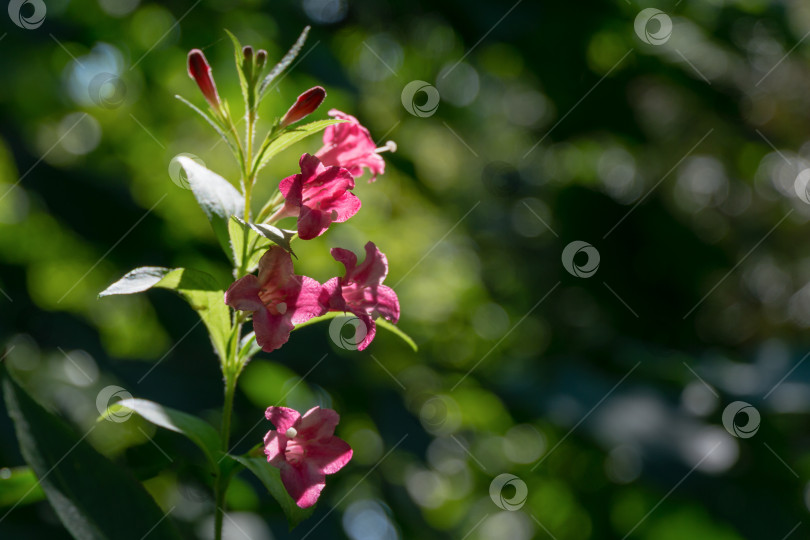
200,71
304,105
261,58
247,53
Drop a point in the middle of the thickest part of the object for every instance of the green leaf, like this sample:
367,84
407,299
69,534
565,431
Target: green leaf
19,486
216,196
248,247
271,478
210,121
290,136
280,237
385,325
199,431
199,289
284,62
240,66
248,348
94,499
380,322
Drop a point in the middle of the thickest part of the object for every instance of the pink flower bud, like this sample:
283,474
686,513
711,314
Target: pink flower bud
200,71
304,105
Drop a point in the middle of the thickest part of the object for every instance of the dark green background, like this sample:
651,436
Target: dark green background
705,133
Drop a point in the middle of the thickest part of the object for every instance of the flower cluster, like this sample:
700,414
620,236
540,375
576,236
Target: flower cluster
277,299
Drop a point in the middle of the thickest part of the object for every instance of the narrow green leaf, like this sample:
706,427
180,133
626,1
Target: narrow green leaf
210,121
385,325
248,348
380,322
284,62
199,289
240,68
216,196
290,136
281,237
19,486
199,431
94,499
271,478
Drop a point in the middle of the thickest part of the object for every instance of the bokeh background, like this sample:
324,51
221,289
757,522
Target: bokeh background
676,152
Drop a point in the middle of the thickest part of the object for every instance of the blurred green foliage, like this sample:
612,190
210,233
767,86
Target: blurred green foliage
604,395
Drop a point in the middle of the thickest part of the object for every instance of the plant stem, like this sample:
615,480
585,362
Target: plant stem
221,483
230,371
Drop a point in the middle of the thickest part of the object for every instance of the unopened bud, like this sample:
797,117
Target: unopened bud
247,53
261,58
200,71
304,105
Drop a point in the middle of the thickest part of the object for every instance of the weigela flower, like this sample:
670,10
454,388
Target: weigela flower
200,71
278,298
304,105
305,449
349,145
319,196
361,292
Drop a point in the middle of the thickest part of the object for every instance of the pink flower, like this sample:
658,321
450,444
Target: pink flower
361,292
304,105
200,71
278,298
305,449
319,196
349,145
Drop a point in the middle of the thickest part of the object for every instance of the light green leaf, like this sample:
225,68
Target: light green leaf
248,247
290,136
380,322
199,289
216,196
248,348
280,237
210,121
284,62
199,431
271,478
240,68
94,499
19,486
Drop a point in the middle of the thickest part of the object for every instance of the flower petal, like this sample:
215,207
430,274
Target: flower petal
331,296
345,257
275,268
317,424
312,223
308,303
304,483
243,294
373,269
272,331
329,455
282,417
371,330
386,303
275,444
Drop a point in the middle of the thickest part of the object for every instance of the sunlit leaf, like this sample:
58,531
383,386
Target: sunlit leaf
210,121
199,431
290,136
380,322
216,196
199,289
284,62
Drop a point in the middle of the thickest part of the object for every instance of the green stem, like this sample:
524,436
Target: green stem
230,371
